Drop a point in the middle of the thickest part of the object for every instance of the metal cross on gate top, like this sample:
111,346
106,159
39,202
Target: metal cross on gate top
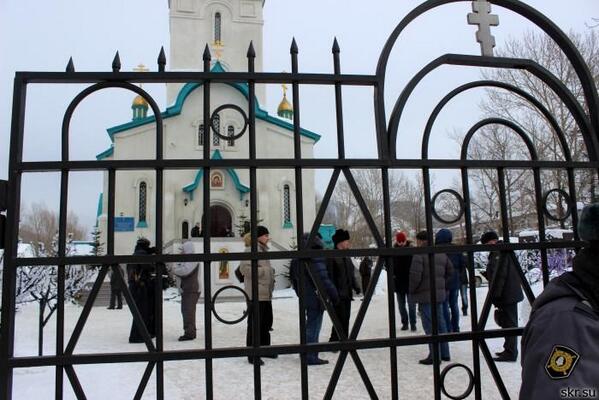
482,17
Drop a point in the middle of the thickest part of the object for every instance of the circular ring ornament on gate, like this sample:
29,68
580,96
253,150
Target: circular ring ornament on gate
460,203
217,129
470,381
245,312
566,198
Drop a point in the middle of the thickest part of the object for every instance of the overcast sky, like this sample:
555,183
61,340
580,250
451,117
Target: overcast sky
42,35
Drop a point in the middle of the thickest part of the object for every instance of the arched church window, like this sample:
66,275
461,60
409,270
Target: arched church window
143,194
286,205
230,133
201,135
185,230
217,28
216,126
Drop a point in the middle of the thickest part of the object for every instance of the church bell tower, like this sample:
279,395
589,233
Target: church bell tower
227,26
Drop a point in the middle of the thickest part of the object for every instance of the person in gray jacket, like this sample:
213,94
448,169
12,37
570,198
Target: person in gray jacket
266,284
188,274
505,292
560,346
421,292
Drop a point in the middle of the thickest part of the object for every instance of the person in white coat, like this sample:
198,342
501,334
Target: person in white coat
188,274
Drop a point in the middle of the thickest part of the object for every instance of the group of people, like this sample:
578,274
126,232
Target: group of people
412,281
141,280
558,343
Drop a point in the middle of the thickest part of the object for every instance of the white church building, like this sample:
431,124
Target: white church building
227,26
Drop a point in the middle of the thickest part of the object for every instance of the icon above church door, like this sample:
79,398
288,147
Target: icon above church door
221,222
216,180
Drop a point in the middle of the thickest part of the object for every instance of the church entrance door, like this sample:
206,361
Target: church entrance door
221,222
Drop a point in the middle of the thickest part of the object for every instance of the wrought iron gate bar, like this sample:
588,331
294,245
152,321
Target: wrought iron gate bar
471,283
581,118
185,77
386,139
206,222
549,27
287,163
502,85
281,255
235,352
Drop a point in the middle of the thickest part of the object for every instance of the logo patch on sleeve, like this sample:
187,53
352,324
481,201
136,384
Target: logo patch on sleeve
561,362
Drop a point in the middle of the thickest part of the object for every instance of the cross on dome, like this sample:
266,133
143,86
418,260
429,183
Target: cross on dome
482,17
141,68
218,47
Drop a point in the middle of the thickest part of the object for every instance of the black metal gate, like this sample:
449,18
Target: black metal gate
586,116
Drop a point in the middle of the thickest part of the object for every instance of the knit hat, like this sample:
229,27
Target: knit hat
400,237
142,243
316,243
422,235
443,236
488,236
588,223
340,236
261,230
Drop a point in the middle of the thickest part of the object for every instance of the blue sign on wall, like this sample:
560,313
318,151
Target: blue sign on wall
124,224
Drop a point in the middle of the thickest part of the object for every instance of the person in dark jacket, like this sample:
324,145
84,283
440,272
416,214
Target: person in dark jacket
141,285
505,292
313,303
421,292
365,272
341,271
116,291
560,351
451,310
401,277
464,290
195,231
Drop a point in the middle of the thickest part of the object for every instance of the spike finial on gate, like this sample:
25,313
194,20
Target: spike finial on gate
206,56
161,60
70,65
251,52
116,62
336,49
293,49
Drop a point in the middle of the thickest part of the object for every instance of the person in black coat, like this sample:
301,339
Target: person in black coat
141,286
341,271
401,277
365,272
505,292
560,351
116,291
195,231
451,309
313,302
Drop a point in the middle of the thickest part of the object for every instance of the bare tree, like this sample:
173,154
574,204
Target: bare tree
409,211
406,200
39,225
542,49
498,143
40,284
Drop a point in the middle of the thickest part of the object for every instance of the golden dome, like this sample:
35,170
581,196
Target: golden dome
285,105
139,101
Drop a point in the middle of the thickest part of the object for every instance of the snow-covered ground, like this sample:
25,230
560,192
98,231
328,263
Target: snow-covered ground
107,331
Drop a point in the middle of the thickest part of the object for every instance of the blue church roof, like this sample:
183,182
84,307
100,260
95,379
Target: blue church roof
176,108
